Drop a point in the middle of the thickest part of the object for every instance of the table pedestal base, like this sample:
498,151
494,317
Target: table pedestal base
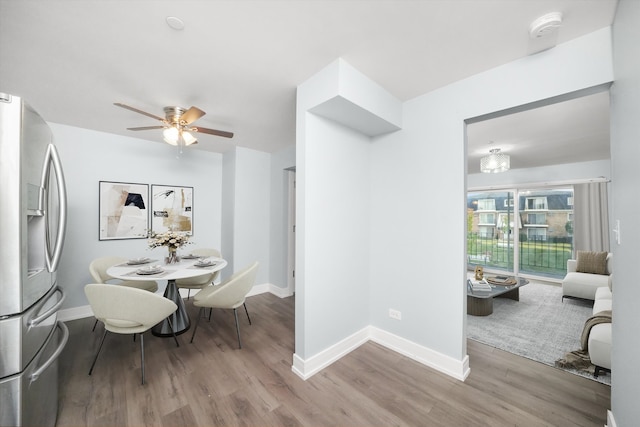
484,306
479,306
179,319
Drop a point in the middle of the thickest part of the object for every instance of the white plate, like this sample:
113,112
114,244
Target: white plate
138,261
190,256
204,264
152,269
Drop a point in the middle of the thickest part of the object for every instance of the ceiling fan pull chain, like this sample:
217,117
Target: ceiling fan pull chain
179,146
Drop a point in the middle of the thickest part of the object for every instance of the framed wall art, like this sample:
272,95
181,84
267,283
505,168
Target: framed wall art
123,210
171,209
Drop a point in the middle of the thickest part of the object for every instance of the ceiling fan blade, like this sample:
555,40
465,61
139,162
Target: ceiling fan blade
213,132
146,128
192,114
153,116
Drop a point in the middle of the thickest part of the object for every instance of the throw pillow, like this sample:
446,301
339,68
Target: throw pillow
592,262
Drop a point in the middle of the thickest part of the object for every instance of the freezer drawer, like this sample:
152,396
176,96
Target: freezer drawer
23,335
31,397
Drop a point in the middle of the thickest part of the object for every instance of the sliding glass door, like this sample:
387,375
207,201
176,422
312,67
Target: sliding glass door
546,240
521,231
490,225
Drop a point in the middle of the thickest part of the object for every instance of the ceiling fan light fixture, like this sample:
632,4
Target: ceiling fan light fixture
495,162
188,138
176,129
171,135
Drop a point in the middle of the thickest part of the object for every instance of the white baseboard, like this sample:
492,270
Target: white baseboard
306,368
259,289
75,313
611,422
280,292
271,288
458,369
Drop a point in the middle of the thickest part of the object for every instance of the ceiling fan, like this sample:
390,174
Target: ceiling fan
177,124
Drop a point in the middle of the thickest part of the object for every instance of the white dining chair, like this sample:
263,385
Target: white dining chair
230,294
98,270
125,310
200,282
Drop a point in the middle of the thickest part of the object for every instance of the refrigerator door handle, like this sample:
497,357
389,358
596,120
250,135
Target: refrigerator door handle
52,158
63,341
37,320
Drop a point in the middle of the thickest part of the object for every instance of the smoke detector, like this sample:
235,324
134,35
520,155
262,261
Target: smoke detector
545,25
175,23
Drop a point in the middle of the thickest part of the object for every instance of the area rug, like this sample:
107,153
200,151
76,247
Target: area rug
539,327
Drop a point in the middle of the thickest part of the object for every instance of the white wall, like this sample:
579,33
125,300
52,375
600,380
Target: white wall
415,246
417,225
251,211
333,170
228,210
625,154
336,282
419,190
89,157
278,251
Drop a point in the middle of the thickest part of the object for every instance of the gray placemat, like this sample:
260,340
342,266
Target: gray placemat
126,264
160,274
208,267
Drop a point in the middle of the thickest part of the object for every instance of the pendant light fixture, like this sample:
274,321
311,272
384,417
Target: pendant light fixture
495,162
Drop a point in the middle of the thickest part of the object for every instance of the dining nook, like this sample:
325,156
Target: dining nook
186,267
124,303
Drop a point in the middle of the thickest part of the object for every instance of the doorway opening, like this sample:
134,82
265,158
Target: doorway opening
520,222
291,230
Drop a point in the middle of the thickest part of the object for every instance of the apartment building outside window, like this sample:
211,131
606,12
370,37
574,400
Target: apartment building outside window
486,205
521,231
487,218
537,234
536,203
537,219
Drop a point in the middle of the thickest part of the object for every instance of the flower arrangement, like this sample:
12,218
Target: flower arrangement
171,239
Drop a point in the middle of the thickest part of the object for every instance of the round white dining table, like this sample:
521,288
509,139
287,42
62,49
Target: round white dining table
183,269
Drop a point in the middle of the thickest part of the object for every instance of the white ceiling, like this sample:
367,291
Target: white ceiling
240,61
567,132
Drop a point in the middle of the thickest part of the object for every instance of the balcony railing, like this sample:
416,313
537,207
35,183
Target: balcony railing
544,258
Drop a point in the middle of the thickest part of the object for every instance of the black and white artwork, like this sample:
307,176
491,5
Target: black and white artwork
172,209
124,210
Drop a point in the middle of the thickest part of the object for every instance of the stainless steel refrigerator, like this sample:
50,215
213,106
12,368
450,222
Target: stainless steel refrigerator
32,227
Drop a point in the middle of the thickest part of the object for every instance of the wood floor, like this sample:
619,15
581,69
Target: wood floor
212,382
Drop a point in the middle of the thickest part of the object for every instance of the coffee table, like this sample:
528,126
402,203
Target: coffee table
480,303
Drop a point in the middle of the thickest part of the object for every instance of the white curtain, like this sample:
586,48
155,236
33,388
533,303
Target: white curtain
590,217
